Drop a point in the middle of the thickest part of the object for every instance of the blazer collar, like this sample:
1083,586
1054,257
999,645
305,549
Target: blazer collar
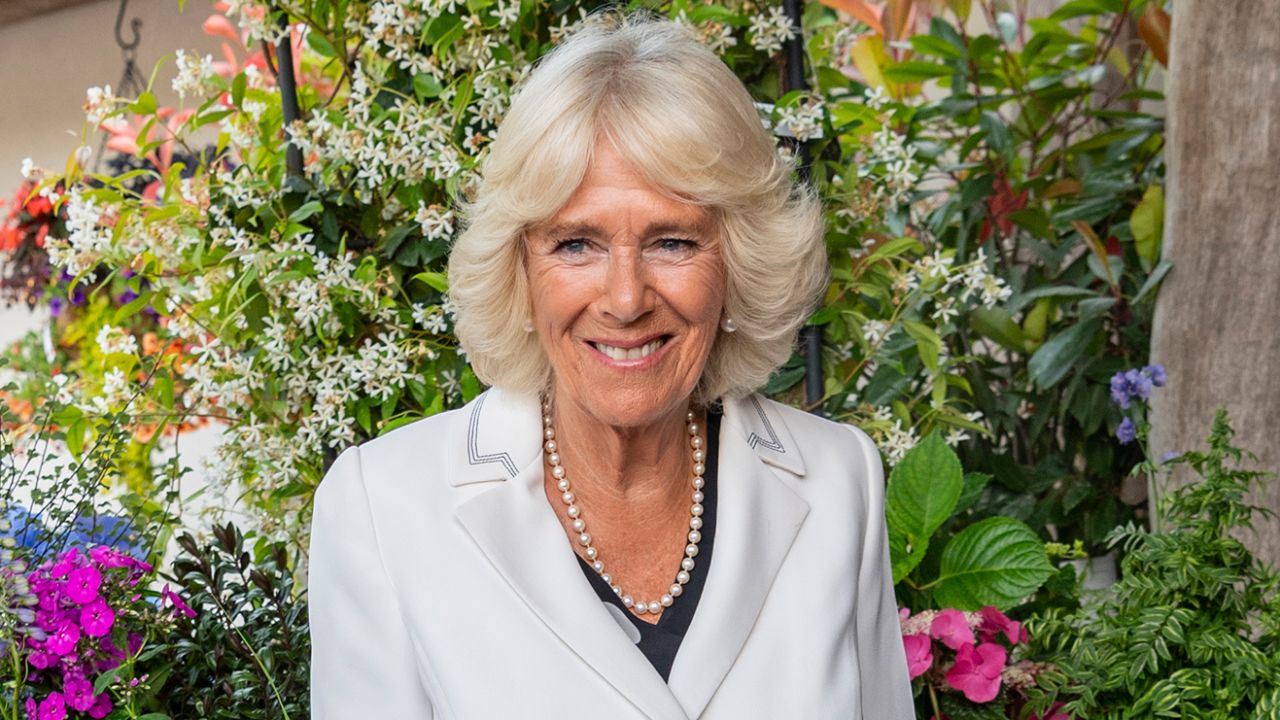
758,517
502,433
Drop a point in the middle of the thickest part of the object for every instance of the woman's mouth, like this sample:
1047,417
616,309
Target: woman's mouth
640,352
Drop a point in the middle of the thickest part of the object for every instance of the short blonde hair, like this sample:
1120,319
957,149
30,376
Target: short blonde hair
681,116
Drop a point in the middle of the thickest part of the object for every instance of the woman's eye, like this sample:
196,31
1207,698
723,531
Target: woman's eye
572,246
676,244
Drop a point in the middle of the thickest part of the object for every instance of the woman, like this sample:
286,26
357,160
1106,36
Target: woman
619,528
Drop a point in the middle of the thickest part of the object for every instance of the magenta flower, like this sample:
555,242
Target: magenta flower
179,606
53,707
63,640
79,694
977,671
919,654
97,618
65,564
995,622
951,628
83,584
101,707
33,713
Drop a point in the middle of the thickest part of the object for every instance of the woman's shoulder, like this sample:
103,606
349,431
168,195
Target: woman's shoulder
776,425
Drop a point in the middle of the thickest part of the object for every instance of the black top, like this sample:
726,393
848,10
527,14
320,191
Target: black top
660,641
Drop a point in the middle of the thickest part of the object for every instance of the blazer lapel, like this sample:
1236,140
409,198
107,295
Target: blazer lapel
757,519
517,530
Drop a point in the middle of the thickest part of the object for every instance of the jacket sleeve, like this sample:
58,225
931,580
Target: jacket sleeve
886,688
362,660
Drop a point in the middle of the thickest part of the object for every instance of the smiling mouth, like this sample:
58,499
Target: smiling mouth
635,353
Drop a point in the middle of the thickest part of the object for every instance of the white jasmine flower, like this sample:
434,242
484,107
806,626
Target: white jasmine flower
769,30
98,102
193,72
435,220
112,340
30,171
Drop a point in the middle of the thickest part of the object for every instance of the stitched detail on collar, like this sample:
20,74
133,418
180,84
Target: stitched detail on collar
473,450
773,443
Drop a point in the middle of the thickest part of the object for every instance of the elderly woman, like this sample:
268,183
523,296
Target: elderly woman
619,528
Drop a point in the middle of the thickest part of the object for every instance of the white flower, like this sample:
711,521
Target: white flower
873,331
955,436
946,310
898,442
436,221
803,122
193,72
30,171
769,30
875,97
98,102
112,340
449,383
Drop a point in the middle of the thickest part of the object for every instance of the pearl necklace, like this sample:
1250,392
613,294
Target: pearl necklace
579,524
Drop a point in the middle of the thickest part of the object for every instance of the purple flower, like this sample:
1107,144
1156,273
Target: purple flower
1127,432
53,707
179,605
97,618
63,640
83,584
1157,374
1120,390
101,707
1139,384
55,306
79,694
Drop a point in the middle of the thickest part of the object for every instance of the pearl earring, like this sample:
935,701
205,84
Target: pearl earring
528,326
728,325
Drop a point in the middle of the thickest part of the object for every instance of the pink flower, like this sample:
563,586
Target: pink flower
919,654
63,640
33,713
83,584
977,671
53,707
179,606
995,622
97,618
65,564
79,694
951,627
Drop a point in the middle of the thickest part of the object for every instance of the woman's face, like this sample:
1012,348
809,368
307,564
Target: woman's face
627,287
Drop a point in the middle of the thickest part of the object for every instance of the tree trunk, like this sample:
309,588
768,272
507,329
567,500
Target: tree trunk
1217,318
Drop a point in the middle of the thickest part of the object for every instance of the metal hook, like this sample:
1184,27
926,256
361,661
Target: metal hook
135,25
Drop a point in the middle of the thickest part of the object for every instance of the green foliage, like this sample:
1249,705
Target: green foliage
246,654
998,561
1192,629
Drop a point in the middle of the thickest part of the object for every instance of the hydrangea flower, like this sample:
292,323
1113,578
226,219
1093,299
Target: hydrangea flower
951,628
995,622
919,654
977,671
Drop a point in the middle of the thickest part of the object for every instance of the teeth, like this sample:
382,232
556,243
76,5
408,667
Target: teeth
617,353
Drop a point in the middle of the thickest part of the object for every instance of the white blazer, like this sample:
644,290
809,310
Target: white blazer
443,586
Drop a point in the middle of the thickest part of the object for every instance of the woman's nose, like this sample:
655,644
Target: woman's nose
626,291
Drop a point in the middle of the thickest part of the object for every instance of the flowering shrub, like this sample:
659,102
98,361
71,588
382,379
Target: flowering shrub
82,646
971,655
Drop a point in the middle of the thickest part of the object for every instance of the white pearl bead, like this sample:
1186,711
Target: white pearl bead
695,536
563,484
691,550
554,459
548,433
695,523
699,456
597,566
591,553
695,511
579,525
695,441
557,470
573,511
628,601
641,608
687,564
550,446
617,590
688,417
682,577
546,420
698,496
607,578
568,498
698,469
676,589
693,428
666,600
698,482
585,539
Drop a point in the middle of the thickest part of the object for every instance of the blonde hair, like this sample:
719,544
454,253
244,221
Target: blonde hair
687,124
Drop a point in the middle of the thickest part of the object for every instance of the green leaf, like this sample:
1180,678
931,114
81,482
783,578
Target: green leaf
1059,354
1153,280
426,86
997,325
436,280
922,493
929,344
998,561
974,484
144,105
916,71
1147,225
238,86
305,211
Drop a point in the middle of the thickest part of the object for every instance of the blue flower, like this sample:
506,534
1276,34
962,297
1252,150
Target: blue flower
1140,384
1127,432
1120,390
